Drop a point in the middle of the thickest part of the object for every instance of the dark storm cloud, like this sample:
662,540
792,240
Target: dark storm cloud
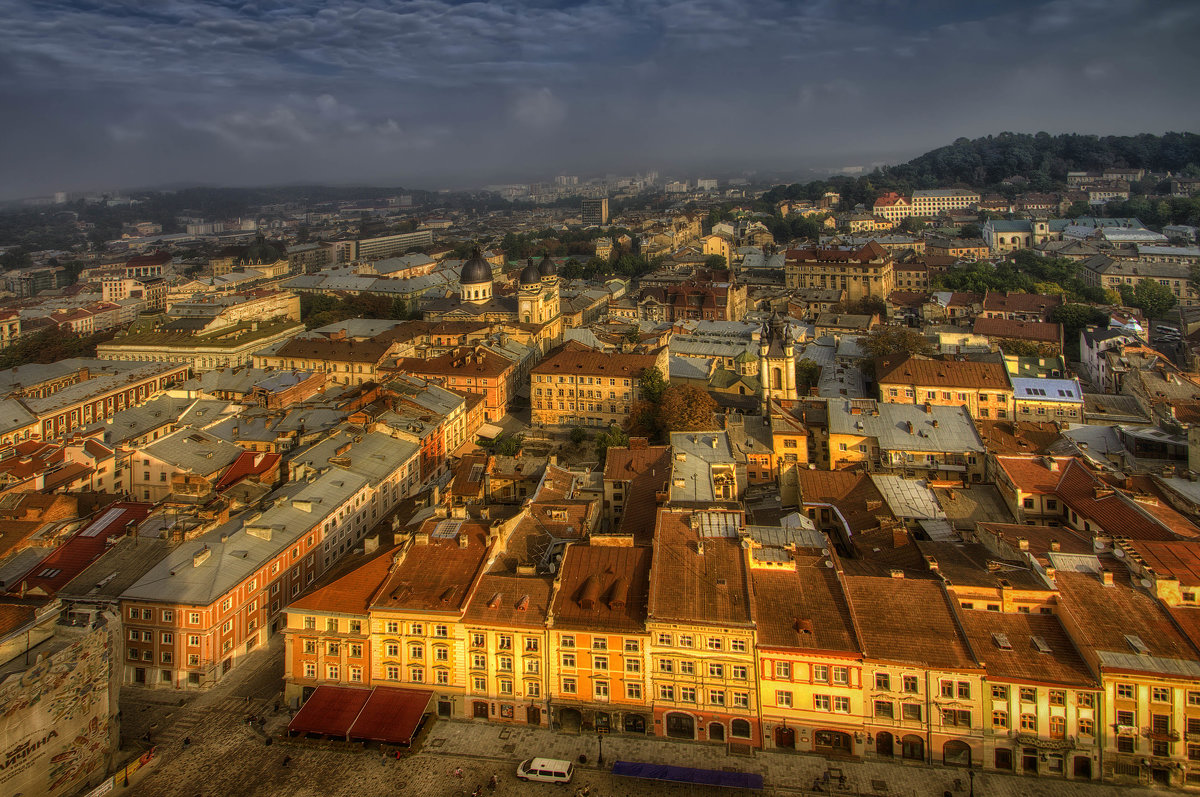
108,93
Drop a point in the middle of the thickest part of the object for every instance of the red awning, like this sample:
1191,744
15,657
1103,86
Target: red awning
329,711
391,715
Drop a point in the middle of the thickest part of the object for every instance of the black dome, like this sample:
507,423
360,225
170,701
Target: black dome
530,274
476,270
546,267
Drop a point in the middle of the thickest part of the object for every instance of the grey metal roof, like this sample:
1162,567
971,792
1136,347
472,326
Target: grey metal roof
373,456
954,431
693,455
1144,663
908,498
1047,389
194,451
191,577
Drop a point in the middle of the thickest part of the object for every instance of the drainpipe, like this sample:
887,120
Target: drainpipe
928,721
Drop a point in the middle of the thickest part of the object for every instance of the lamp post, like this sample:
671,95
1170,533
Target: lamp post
971,776
600,741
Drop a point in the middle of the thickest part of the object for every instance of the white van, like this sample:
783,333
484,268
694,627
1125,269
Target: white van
546,770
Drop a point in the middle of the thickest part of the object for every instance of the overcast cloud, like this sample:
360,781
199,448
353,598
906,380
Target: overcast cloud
430,93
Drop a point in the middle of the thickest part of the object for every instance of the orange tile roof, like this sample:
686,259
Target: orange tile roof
576,358
1017,437
604,587
1031,474
436,576
510,600
685,585
945,373
853,493
1021,660
1116,513
1178,559
1021,330
804,608
907,621
1102,616
351,593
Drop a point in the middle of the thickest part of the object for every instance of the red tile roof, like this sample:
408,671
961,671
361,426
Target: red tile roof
576,358
907,621
1116,513
709,587
1005,643
604,587
944,373
803,608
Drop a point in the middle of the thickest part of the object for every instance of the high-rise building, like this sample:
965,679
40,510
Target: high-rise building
595,212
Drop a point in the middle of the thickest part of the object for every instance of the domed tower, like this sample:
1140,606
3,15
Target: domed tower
548,274
777,361
476,278
529,300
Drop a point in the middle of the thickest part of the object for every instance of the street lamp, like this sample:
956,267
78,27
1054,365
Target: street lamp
600,740
971,776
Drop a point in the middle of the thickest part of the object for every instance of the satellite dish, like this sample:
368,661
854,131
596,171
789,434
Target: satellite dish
828,563
824,552
1117,552
1147,583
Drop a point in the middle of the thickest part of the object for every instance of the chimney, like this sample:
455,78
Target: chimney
928,408
1106,577
1022,544
463,541
897,573
910,427
1055,545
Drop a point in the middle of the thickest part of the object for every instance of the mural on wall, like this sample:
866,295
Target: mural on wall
55,720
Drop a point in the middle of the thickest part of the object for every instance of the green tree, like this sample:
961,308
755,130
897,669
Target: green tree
1152,298
578,436
715,262
808,374
686,408
910,224
970,231
506,445
653,385
612,437
889,340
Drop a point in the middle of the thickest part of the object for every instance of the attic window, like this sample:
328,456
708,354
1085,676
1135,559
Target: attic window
1040,644
1001,641
1137,644
523,604
49,572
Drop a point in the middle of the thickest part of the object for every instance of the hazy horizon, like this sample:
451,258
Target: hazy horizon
117,94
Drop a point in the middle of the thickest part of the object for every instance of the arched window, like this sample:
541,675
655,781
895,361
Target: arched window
739,729
777,378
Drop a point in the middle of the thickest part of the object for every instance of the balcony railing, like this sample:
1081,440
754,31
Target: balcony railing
1160,736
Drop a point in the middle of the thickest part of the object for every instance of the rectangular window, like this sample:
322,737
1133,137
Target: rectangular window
841,705
822,702
911,684
687,694
883,682
633,691
884,708
820,673
911,711
783,699
783,670
1126,691
841,675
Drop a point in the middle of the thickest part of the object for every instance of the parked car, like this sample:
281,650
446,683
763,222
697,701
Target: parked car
546,770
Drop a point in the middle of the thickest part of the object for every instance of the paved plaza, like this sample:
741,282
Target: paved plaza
227,756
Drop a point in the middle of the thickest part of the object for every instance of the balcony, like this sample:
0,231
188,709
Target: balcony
1160,736
1033,740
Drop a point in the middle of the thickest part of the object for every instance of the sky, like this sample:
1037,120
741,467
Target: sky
110,94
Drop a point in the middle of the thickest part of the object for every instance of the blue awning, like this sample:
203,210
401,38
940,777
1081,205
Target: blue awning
698,777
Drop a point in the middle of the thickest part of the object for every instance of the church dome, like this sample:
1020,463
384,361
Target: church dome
476,270
530,275
546,267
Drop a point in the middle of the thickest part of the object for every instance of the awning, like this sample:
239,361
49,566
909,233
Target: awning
329,711
489,431
391,715
699,777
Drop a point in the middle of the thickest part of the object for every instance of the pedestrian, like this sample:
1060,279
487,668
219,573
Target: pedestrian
458,773
397,754
287,759
187,740
478,791
495,781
